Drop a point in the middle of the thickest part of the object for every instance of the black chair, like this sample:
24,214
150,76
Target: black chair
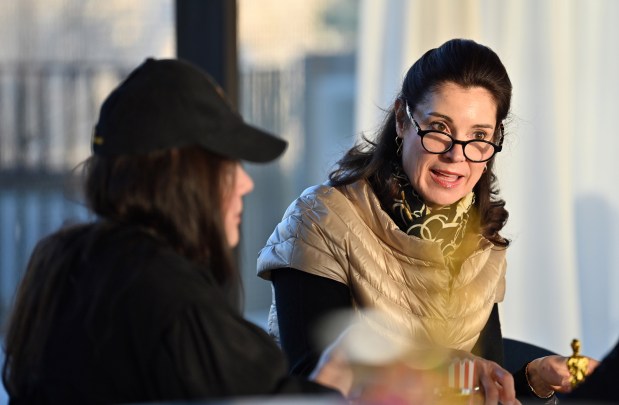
518,353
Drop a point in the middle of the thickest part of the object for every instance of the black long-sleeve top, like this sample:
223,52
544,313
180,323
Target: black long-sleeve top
137,322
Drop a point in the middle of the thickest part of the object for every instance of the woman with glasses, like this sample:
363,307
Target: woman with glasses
410,224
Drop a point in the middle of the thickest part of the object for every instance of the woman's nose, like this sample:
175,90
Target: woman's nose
456,153
246,184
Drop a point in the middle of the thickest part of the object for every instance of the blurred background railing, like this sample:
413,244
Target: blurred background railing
46,112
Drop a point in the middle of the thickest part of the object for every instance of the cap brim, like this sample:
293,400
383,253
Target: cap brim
249,143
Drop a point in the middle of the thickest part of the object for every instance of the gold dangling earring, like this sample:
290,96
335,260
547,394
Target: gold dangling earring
398,143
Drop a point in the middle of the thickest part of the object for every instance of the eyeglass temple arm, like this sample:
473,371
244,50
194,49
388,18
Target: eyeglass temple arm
410,117
502,131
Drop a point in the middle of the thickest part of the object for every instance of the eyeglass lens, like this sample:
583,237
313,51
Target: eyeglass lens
437,142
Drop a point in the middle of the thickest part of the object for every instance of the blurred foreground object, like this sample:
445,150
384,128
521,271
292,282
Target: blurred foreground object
385,369
461,387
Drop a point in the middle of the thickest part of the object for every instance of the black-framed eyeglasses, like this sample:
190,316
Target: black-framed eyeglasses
438,142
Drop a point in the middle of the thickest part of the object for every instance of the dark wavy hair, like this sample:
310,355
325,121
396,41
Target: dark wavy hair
175,195
467,64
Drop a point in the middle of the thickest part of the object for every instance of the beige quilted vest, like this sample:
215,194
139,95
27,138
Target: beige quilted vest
343,234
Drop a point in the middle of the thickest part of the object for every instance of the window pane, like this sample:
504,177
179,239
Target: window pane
297,64
58,60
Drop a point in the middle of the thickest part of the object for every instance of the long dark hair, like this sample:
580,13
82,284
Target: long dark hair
460,61
175,195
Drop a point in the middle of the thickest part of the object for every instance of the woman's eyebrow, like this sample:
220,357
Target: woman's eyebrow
448,119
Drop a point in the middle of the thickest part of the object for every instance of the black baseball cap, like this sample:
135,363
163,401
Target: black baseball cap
169,103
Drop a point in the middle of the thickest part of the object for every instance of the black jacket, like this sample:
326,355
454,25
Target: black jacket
137,322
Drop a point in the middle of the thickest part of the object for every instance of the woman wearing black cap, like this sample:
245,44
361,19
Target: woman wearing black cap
139,305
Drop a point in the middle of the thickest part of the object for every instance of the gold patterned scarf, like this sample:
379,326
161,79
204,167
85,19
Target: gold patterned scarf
445,225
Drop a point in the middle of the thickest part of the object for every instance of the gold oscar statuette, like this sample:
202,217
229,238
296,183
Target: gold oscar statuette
577,365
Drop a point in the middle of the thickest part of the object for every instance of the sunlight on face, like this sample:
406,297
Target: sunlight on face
465,113
241,184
